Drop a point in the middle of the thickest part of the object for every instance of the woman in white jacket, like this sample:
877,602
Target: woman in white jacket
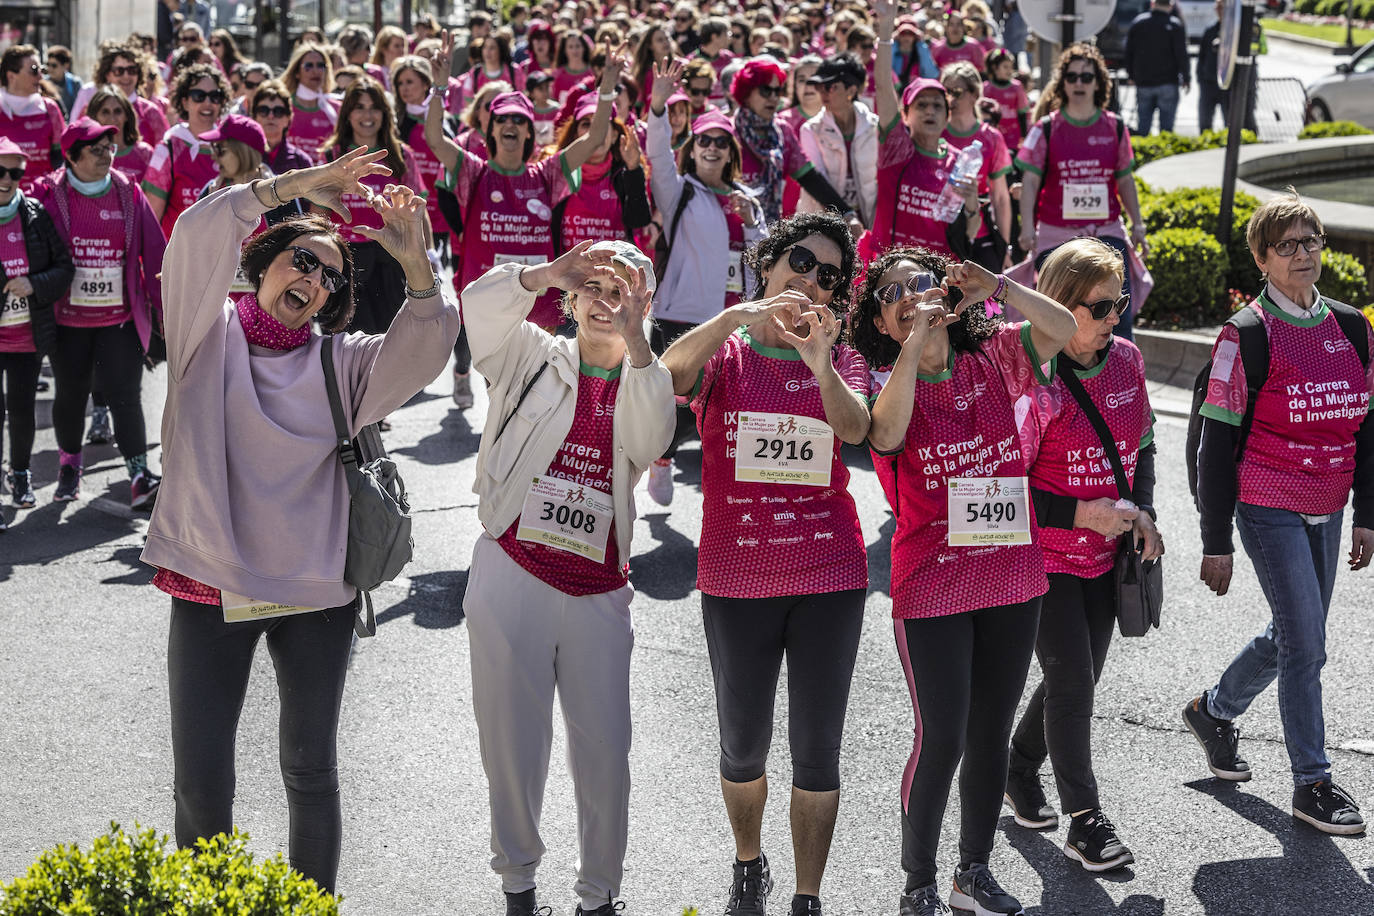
571,427
842,140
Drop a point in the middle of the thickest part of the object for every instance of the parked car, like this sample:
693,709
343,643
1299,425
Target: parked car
1347,94
1111,41
1197,16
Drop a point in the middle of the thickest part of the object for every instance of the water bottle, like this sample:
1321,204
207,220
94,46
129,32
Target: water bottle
966,165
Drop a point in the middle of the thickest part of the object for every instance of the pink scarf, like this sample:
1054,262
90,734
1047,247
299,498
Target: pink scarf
262,330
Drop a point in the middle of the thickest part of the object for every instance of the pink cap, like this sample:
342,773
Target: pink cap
908,24
676,97
917,86
713,119
84,130
237,127
9,148
515,103
586,107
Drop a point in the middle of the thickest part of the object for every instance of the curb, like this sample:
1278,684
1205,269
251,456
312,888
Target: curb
1172,361
1322,43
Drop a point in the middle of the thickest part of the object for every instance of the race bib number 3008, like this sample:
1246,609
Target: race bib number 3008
988,510
566,516
783,448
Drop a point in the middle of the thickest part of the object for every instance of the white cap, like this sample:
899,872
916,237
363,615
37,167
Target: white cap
631,257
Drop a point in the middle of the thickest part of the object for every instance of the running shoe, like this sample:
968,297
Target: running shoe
21,489
1094,844
615,908
977,891
68,484
749,889
806,905
661,481
143,490
1328,807
462,390
100,432
924,901
1029,807
524,904
1219,738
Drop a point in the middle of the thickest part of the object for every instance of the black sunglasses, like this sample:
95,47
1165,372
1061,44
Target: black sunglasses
915,284
125,70
698,91
720,141
770,92
304,261
271,111
1104,307
15,174
253,85
504,118
1080,77
200,95
802,262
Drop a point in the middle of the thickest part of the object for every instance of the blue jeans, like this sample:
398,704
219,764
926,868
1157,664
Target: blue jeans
1296,564
1148,99
1014,32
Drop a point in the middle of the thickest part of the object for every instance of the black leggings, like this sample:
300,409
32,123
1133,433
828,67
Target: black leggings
112,358
378,288
462,353
208,662
1076,624
965,673
18,393
746,639
661,336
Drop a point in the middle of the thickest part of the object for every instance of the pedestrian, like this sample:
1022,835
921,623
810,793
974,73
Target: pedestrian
226,50
1210,95
572,426
1287,490
541,45
842,140
270,106
964,89
491,62
781,563
911,58
1081,525
249,542
612,200
412,78
37,268
572,63
1006,90
181,164
27,117
314,115
956,45
110,107
60,75
1156,61
967,570
389,47
684,35
122,66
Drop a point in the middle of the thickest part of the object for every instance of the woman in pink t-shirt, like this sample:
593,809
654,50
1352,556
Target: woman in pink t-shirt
964,88
957,45
314,115
967,571
110,107
781,563
181,164
573,63
1006,90
123,67
27,117
491,61
613,199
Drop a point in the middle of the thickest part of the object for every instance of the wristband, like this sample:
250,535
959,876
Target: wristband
608,96
275,196
1000,294
423,293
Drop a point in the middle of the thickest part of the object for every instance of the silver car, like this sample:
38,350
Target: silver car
1347,94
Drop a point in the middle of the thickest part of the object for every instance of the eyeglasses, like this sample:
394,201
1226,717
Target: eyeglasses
189,39
216,96
802,262
130,70
720,141
1085,78
1286,248
954,93
682,18
312,65
305,261
697,91
1104,307
507,118
271,111
915,284
252,86
770,92
34,68
14,174
101,149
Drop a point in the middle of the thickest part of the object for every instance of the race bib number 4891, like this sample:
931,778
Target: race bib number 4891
988,510
783,448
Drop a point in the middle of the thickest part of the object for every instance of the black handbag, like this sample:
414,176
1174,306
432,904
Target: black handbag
1139,582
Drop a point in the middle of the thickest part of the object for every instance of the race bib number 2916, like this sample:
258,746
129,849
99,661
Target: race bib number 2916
783,448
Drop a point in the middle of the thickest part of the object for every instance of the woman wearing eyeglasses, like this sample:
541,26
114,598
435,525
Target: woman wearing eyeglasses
181,163
250,532
1082,527
964,88
109,107
1284,462
314,115
122,67
781,563
613,199
967,568
27,117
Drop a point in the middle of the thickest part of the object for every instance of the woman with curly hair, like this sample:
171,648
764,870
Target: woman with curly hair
967,570
122,66
110,107
776,396
183,163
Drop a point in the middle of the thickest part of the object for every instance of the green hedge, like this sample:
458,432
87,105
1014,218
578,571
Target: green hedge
136,875
1158,146
1333,129
1197,208
1189,269
1343,277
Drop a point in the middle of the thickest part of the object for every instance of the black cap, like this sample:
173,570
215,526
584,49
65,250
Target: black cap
842,68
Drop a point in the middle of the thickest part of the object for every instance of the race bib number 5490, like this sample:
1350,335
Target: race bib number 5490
988,510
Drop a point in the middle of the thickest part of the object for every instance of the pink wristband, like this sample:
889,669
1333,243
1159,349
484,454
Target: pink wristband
1000,293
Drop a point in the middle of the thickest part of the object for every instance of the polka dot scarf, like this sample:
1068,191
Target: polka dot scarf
262,330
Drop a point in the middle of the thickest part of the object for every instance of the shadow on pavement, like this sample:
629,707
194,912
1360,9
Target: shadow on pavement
880,558
662,573
1068,889
455,440
137,573
435,600
1312,876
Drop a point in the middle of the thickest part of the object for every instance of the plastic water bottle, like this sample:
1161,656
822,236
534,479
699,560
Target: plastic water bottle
966,165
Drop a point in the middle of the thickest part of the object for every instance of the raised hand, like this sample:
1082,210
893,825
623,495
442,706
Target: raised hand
617,63
571,269
667,76
443,60
886,10
823,329
628,317
325,185
973,280
930,314
787,304
630,151
403,223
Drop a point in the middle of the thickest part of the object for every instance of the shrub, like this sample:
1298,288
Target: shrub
1189,269
1158,146
1306,6
1197,208
135,875
1323,129
1343,277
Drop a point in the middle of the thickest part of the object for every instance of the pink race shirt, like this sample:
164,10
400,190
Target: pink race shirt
594,211
360,209
1301,452
1011,101
16,331
1070,460
565,81
996,156
177,174
963,425
429,170
945,54
762,539
152,120
910,180
96,298
311,126
584,458
1080,168
36,133
133,161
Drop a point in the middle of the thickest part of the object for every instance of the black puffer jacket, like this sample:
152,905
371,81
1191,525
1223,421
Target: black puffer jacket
50,271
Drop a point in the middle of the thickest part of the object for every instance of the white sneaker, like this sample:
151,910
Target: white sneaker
462,390
661,481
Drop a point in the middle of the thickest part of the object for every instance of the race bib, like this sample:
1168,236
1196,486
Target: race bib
782,448
14,311
1086,201
241,283
734,273
988,510
566,516
529,260
238,608
98,287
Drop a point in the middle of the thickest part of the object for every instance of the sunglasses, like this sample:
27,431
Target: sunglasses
696,92
305,261
197,96
1104,307
34,68
770,92
188,39
1084,78
720,141
915,284
271,111
14,174
1286,248
506,118
802,262
682,18
312,65
130,70
252,86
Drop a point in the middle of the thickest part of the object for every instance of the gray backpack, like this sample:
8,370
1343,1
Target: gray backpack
379,541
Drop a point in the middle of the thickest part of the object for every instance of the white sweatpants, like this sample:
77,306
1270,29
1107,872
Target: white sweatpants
526,638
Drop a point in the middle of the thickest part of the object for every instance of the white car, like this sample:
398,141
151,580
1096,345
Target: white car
1347,94
1197,16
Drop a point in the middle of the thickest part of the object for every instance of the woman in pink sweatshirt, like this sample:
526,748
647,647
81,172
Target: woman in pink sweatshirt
250,529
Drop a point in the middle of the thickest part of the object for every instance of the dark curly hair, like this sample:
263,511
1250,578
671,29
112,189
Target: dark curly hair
1102,88
186,81
879,350
263,249
783,234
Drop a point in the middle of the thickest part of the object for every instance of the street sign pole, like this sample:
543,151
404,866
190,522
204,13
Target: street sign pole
1235,122
1070,22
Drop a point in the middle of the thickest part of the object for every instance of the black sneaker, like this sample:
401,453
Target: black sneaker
1219,738
606,909
924,901
1094,843
1328,807
976,891
806,905
524,904
1029,807
100,432
749,889
21,489
68,484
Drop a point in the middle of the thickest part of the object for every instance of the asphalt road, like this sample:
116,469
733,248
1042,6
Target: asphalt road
85,741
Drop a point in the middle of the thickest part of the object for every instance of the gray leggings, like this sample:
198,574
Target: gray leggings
208,662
